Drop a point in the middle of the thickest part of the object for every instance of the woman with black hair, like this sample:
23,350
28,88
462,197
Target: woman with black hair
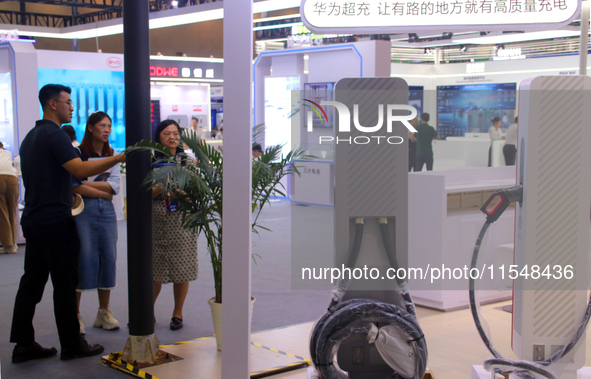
97,223
175,248
495,134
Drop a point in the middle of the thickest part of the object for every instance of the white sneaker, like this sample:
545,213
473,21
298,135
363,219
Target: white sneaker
10,249
105,320
82,330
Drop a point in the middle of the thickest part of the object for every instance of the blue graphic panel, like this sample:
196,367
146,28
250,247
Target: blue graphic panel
92,91
469,108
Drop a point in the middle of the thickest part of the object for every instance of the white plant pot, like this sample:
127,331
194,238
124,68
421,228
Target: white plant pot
216,314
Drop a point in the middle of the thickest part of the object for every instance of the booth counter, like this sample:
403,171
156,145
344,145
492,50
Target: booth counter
465,152
446,238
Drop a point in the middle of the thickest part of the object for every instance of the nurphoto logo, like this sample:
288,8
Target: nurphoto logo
344,117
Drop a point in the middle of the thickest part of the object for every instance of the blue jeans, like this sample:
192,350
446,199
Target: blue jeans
97,226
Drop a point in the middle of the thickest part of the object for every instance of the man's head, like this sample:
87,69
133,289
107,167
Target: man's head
194,123
56,102
2,145
425,117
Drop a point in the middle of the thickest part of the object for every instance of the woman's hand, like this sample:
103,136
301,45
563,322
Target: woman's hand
105,195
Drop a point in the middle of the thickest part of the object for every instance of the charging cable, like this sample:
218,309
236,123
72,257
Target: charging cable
494,208
352,319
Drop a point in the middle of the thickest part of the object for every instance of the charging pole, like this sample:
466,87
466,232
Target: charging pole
142,344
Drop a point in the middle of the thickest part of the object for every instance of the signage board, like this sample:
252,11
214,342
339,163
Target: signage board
186,69
379,16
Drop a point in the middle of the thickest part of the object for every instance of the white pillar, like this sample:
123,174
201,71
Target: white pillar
238,54
583,46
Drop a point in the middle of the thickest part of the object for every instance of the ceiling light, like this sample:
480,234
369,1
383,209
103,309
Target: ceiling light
174,3
187,59
277,26
277,18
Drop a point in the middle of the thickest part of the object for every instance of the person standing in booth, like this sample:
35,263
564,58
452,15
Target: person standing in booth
9,193
510,148
425,135
175,248
495,134
48,160
412,146
97,223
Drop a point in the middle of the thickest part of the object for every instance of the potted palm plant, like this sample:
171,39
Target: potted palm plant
197,188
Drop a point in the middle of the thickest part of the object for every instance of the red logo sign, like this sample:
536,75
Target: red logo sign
114,62
164,71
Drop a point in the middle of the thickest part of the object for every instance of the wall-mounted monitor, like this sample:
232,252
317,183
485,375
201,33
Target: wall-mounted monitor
415,98
470,108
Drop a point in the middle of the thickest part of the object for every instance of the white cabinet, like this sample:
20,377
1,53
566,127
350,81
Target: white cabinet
444,222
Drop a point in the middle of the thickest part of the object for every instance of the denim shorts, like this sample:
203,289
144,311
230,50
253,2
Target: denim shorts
97,227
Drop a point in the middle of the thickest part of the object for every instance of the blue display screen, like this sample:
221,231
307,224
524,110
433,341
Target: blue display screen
470,108
415,98
92,91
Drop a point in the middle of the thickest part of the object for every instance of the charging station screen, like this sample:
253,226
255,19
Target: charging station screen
279,109
465,109
92,90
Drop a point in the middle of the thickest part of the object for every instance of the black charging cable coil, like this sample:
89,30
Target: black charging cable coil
352,319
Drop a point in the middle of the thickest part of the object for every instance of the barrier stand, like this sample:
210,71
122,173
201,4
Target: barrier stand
114,361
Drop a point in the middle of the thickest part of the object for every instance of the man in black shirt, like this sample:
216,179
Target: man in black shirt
425,136
47,161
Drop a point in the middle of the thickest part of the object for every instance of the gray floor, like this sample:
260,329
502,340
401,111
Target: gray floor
276,303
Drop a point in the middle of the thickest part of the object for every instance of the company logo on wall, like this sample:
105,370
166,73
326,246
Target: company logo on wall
114,62
186,69
344,117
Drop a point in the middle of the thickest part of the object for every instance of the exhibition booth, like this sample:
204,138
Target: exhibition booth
180,90
461,103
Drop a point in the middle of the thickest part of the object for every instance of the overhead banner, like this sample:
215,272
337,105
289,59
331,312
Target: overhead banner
379,16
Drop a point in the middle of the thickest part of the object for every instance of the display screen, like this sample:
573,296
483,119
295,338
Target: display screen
470,108
6,115
415,98
279,108
92,90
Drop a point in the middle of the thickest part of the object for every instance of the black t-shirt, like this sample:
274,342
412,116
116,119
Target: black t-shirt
48,188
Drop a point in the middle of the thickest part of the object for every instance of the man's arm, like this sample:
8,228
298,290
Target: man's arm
81,169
